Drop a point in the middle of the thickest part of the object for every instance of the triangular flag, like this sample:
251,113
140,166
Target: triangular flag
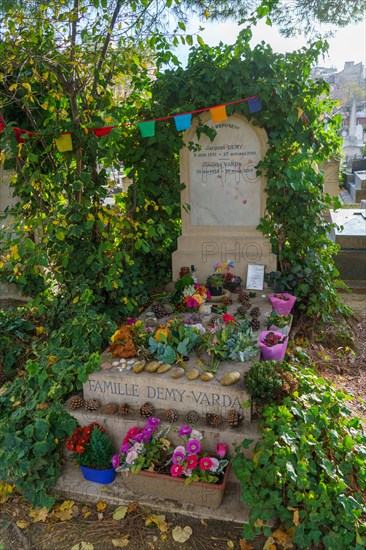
218,113
147,129
300,112
64,143
255,104
99,132
183,122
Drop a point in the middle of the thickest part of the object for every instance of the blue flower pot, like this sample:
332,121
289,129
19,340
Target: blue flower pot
98,476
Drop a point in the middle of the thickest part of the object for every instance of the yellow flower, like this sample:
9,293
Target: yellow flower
198,299
160,332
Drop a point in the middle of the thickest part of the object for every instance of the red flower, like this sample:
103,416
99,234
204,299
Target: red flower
192,462
132,432
205,463
176,470
228,318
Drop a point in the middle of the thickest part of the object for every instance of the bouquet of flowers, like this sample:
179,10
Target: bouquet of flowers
189,461
143,448
174,341
230,339
91,446
189,296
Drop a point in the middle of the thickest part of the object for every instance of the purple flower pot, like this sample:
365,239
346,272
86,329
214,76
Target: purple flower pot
282,307
98,476
276,352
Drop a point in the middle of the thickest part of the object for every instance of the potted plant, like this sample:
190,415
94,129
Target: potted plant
282,303
92,449
279,323
231,282
273,345
151,466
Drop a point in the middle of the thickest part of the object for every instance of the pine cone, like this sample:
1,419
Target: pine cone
171,415
242,310
147,410
124,408
192,417
92,404
289,383
110,408
169,309
243,297
226,300
254,323
234,418
255,312
159,310
214,420
75,402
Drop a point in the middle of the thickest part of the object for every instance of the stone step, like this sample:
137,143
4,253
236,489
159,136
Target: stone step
117,427
356,192
360,180
72,485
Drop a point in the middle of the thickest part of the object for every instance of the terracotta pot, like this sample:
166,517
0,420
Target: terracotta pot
98,476
169,487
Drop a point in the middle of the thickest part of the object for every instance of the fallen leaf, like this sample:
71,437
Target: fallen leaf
86,515
281,536
63,515
295,518
120,512
230,544
165,442
244,545
180,534
159,520
67,505
39,514
22,524
270,544
100,516
83,546
204,523
122,542
132,507
101,506
42,406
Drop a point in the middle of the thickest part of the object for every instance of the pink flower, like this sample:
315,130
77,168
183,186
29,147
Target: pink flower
215,464
193,446
192,303
131,457
221,450
176,470
178,457
192,462
228,318
206,463
208,294
115,461
184,430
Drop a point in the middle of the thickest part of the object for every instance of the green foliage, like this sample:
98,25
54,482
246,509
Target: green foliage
174,343
263,381
309,469
233,341
99,452
15,336
277,320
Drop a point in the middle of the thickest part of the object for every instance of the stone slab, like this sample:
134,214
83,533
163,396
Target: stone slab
358,165
352,234
360,180
72,485
351,265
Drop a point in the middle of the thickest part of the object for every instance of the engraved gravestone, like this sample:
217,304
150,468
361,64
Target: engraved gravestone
223,199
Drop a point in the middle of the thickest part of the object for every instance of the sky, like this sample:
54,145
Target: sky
348,44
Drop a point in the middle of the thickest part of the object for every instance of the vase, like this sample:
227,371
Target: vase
282,307
276,352
98,476
173,488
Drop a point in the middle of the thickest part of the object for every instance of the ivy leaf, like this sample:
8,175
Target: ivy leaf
120,512
181,534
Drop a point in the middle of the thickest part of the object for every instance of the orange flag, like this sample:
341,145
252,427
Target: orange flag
218,113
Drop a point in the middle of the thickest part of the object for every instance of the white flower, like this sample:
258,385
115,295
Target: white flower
180,449
137,447
195,434
131,457
187,472
189,290
215,464
200,329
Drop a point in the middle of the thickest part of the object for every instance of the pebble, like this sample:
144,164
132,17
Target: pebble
164,368
206,376
153,366
115,363
131,361
138,367
193,374
123,361
231,378
177,372
106,365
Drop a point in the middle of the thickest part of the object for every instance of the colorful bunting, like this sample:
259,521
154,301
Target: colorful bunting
218,114
147,129
254,104
99,132
183,122
300,112
64,143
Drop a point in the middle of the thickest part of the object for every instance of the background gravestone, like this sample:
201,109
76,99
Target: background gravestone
226,199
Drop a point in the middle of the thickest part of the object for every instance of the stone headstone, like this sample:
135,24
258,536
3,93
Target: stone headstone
331,177
358,165
225,198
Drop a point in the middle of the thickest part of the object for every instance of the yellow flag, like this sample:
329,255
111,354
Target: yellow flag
64,143
218,113
300,112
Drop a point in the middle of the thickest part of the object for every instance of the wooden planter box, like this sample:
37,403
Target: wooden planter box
164,486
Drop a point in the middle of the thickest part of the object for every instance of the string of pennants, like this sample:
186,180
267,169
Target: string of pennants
182,122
